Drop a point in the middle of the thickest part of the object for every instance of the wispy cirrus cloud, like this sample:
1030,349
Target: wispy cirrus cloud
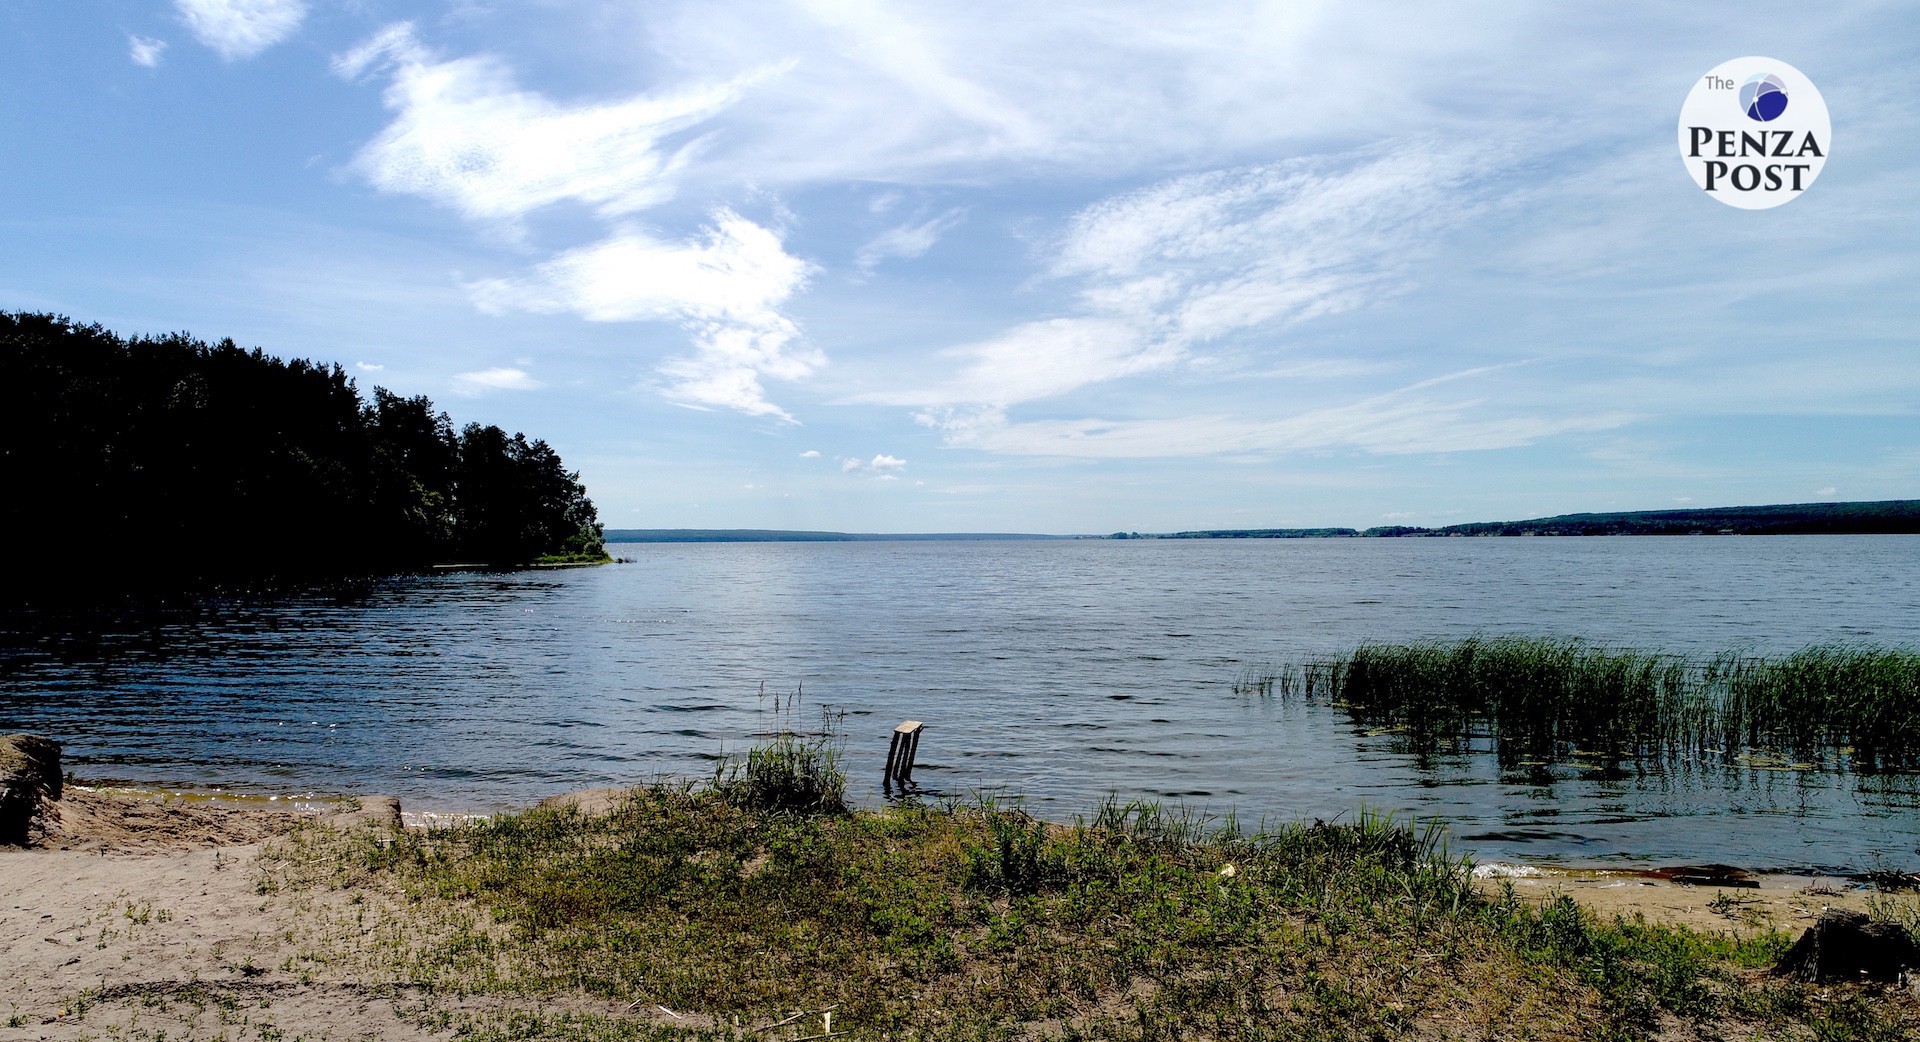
1042,359
500,379
1173,267
1424,417
907,241
944,90
240,29
1211,254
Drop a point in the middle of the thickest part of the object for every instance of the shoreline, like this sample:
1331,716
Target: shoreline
199,915
434,812
1702,897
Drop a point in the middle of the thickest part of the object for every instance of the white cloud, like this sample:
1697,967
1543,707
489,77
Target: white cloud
484,380
237,29
810,454
467,136
1826,493
725,288
880,466
907,241
368,367
146,52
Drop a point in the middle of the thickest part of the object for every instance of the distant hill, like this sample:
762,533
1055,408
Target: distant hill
774,535
1882,517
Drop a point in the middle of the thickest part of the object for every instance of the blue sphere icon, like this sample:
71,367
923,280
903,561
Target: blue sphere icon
1763,98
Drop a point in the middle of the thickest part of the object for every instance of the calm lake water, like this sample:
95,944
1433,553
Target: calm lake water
1059,672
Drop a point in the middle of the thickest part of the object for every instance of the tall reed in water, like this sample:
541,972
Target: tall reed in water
1542,698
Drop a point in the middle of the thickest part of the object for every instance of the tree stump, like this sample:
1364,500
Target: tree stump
1849,946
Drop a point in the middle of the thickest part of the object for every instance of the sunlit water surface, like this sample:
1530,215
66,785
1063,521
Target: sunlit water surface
1060,672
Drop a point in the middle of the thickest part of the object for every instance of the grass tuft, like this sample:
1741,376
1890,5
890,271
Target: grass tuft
793,774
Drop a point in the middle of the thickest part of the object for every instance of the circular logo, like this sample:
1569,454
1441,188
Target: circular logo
1763,98
1754,133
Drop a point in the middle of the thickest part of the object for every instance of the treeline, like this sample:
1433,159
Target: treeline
170,463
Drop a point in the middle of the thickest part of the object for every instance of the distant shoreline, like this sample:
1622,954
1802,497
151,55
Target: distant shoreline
772,535
1877,517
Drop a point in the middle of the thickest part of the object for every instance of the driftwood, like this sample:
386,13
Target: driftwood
1849,946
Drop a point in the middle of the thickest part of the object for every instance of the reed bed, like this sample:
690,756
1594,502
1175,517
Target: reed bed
1843,706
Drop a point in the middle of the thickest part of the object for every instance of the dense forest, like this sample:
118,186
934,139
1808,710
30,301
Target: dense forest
169,463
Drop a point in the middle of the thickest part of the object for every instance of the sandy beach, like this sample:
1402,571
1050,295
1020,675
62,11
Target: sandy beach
143,914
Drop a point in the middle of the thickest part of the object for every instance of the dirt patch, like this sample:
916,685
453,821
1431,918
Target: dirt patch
593,802
1757,903
109,820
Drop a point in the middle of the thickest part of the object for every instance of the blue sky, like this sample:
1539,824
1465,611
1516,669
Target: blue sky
1008,267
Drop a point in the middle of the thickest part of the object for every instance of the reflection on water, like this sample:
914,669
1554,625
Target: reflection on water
1059,671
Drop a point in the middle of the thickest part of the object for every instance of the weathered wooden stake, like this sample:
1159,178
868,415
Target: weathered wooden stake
900,752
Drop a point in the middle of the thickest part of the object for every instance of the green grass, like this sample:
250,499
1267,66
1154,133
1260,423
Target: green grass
794,773
981,922
597,557
1848,706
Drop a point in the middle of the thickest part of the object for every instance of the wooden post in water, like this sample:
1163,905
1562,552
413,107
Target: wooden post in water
900,753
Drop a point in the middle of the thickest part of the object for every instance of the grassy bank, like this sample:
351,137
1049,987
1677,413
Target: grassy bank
1848,706
706,913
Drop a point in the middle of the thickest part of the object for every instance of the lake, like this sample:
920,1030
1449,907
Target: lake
1056,671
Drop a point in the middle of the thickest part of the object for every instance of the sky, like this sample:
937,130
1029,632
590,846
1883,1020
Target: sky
1064,268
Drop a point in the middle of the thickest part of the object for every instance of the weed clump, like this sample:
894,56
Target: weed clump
793,774
1016,859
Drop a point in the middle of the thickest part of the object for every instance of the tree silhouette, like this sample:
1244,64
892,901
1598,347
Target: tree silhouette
170,463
